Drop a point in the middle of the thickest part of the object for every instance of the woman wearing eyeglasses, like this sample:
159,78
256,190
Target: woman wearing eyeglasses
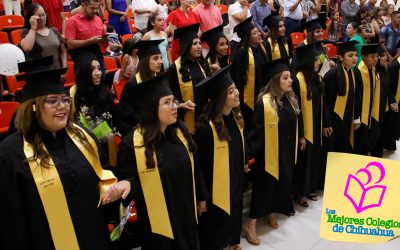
40,40
157,157
51,173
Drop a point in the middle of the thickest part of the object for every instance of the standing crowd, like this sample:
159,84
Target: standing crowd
161,147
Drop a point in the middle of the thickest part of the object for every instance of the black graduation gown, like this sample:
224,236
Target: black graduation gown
309,161
339,139
128,116
282,49
361,134
375,135
197,75
270,195
176,180
295,60
239,75
21,210
392,119
217,229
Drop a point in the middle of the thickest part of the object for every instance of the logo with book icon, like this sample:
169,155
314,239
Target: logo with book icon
366,195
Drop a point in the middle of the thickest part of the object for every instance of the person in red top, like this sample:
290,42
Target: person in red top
55,13
86,28
181,17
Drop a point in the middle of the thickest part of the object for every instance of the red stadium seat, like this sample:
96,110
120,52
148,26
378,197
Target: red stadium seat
110,64
13,85
118,87
4,37
331,50
132,26
297,38
16,36
70,75
223,8
11,22
126,37
7,110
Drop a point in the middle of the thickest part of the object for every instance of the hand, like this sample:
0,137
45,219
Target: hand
327,131
302,143
201,207
122,19
188,105
96,39
395,107
119,190
357,125
332,64
63,78
246,168
215,67
33,21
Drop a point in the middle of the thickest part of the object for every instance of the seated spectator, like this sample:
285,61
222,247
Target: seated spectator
387,11
114,45
40,40
130,60
118,17
155,32
55,13
333,27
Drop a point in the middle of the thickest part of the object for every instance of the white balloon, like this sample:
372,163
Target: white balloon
10,56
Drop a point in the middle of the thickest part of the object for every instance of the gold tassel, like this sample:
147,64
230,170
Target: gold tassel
34,107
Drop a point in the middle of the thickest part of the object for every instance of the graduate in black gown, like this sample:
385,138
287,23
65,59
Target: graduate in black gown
371,95
217,56
51,173
273,143
276,44
342,95
187,71
377,130
157,158
150,65
248,67
220,141
392,117
309,89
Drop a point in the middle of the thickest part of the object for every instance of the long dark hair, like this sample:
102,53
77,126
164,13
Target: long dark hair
213,111
306,66
212,54
150,127
152,19
98,97
144,69
184,52
30,11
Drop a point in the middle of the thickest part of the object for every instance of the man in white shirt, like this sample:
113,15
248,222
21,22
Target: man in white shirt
293,14
237,12
142,9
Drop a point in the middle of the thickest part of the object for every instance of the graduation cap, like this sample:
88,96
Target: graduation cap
244,28
312,25
344,47
147,47
307,50
186,33
212,36
370,49
150,90
40,79
86,54
271,21
216,83
276,66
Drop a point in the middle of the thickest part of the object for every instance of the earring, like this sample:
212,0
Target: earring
34,107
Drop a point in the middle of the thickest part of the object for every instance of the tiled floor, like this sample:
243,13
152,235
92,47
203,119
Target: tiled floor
301,232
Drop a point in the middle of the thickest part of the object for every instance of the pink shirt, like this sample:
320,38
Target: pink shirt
80,28
209,17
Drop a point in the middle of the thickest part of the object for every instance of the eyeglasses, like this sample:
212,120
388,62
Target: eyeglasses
42,15
170,103
54,101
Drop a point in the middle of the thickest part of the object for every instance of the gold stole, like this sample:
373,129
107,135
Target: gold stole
307,110
221,176
250,84
365,112
153,192
377,96
138,78
187,93
52,193
275,51
271,132
397,97
340,104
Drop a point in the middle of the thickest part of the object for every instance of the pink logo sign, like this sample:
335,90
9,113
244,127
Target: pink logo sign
365,195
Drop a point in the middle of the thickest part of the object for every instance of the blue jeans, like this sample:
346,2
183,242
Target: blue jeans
344,35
